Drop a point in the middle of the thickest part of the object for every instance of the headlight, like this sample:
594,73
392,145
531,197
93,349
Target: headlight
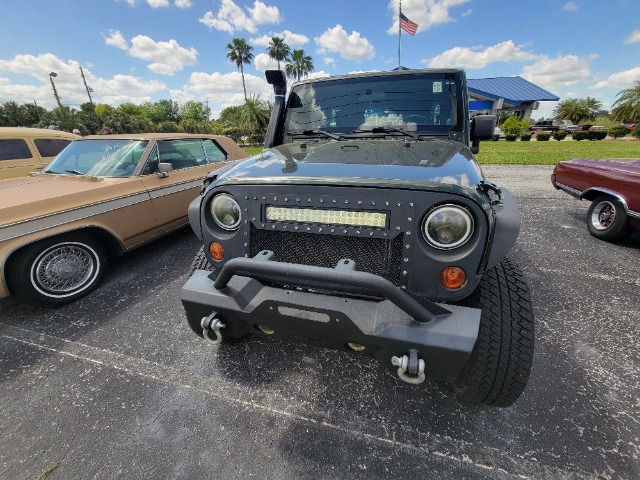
225,211
447,227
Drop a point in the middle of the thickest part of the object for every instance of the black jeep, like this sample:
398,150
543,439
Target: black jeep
367,226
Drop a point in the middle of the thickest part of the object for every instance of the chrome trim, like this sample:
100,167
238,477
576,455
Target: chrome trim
580,195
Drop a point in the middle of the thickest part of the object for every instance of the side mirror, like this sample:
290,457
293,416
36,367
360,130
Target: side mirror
164,169
482,128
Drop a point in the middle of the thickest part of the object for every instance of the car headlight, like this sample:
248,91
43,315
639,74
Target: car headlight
225,211
447,227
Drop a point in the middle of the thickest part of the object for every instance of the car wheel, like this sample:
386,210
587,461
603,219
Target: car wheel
200,262
607,219
498,369
59,269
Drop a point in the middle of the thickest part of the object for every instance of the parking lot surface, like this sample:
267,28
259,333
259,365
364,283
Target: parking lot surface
116,385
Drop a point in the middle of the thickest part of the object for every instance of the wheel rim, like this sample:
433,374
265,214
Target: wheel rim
65,269
603,215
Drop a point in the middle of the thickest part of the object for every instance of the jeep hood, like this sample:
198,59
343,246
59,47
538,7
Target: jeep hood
44,194
363,162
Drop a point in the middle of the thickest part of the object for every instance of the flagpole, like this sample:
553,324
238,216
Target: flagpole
399,32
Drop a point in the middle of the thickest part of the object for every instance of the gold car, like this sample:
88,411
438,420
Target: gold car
101,196
24,150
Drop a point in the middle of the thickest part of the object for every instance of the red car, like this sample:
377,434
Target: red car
613,188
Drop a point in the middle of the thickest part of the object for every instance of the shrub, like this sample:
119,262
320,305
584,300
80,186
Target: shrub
581,135
618,131
510,137
495,137
543,137
514,126
597,134
636,131
559,135
525,137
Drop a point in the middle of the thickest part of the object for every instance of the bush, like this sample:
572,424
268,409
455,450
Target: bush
618,131
597,134
543,137
495,137
559,135
636,131
525,137
510,137
514,126
581,135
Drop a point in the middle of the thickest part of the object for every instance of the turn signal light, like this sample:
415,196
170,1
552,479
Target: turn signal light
216,250
453,277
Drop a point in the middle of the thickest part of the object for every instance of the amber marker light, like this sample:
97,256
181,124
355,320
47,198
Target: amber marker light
216,250
453,277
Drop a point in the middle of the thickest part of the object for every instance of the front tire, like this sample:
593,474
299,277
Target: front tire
59,270
497,371
607,219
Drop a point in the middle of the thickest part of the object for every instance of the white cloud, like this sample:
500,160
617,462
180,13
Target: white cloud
329,61
349,46
480,57
222,90
231,17
426,13
163,3
634,37
166,58
620,80
290,38
263,62
115,39
158,3
559,72
570,7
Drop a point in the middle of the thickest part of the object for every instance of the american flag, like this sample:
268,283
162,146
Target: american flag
407,25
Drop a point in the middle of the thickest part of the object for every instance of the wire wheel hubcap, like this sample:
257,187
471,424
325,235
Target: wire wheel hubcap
64,269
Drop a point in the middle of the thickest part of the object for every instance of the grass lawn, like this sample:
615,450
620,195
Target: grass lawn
552,152
544,153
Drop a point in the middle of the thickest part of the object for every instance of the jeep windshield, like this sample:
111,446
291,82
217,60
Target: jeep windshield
99,158
402,105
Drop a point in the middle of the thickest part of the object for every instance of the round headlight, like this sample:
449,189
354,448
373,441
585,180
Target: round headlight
447,227
225,211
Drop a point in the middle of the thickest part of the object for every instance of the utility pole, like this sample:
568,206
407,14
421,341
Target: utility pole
88,89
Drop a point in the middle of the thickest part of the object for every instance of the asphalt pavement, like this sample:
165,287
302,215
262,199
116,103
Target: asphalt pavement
116,386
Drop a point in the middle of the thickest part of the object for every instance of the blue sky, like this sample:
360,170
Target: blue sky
146,50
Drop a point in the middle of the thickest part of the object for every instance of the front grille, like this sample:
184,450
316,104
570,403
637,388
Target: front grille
374,255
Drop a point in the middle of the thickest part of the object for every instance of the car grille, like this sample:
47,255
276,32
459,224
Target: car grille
374,255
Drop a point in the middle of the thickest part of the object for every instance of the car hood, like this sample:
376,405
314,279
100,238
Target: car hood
621,165
361,162
43,194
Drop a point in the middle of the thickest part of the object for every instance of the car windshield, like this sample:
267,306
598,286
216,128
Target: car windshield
99,158
423,104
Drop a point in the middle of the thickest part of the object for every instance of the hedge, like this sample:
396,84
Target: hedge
543,137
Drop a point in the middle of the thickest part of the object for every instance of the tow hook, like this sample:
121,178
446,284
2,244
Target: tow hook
411,368
212,324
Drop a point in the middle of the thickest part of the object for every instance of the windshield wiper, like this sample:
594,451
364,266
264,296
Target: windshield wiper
316,131
76,172
388,130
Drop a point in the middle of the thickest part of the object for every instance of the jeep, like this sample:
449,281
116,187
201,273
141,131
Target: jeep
367,226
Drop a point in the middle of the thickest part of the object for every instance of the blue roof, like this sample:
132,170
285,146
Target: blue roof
514,90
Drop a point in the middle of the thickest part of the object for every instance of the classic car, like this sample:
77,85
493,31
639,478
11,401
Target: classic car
554,125
24,150
101,196
613,188
367,226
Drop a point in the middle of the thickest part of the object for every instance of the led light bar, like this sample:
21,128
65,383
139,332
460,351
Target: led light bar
327,217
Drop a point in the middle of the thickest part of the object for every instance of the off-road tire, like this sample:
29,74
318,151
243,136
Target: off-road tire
59,269
497,371
200,262
617,229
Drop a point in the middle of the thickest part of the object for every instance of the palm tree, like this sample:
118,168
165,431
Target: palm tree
299,64
577,109
239,52
278,50
255,114
627,106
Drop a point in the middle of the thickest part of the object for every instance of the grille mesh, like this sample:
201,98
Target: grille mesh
374,255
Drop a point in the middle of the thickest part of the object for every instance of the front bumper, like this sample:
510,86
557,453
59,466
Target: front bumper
385,319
